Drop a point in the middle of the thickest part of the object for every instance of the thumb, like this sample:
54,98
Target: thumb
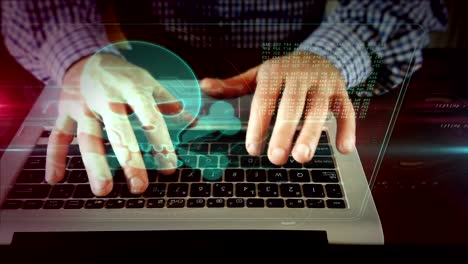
238,85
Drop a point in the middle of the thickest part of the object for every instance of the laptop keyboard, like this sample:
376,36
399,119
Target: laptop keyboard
245,182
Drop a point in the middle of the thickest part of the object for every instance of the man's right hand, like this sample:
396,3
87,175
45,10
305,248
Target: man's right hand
103,90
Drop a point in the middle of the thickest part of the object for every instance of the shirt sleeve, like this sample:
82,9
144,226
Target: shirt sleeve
395,32
47,37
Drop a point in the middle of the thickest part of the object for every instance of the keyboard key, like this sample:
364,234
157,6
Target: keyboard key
334,203
196,203
333,191
39,150
83,191
53,204
156,190
223,190
255,203
182,149
62,191
323,150
119,176
315,203
125,192
233,162
313,190
74,204
154,174
115,203
200,190
32,204
208,161
292,163
135,203
323,137
245,190
35,163
212,174
275,203
277,175
74,150
299,176
190,175
29,191
155,203
215,203
76,163
234,175
114,192
324,176
31,176
177,190
78,176
233,137
256,175
94,204
168,178
175,203
266,163
235,202
295,203
219,148
45,133
290,190
190,161
199,148
12,204
321,163
238,149
268,190
250,162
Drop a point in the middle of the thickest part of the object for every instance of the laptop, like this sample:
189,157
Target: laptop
330,194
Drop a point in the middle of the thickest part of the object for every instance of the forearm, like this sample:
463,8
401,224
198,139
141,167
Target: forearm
47,37
395,33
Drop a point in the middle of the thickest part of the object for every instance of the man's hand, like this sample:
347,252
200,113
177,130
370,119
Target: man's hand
103,90
312,86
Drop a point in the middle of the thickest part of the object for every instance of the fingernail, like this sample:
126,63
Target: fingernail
349,144
253,148
278,153
136,185
100,186
302,150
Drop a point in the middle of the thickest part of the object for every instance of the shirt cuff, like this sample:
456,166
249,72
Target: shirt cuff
66,46
343,48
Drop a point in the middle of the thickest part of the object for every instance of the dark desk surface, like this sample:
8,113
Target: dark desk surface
421,191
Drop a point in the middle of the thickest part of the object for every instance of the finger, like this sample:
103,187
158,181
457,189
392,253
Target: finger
93,154
315,114
168,104
346,124
125,146
157,133
262,107
57,148
289,114
238,85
